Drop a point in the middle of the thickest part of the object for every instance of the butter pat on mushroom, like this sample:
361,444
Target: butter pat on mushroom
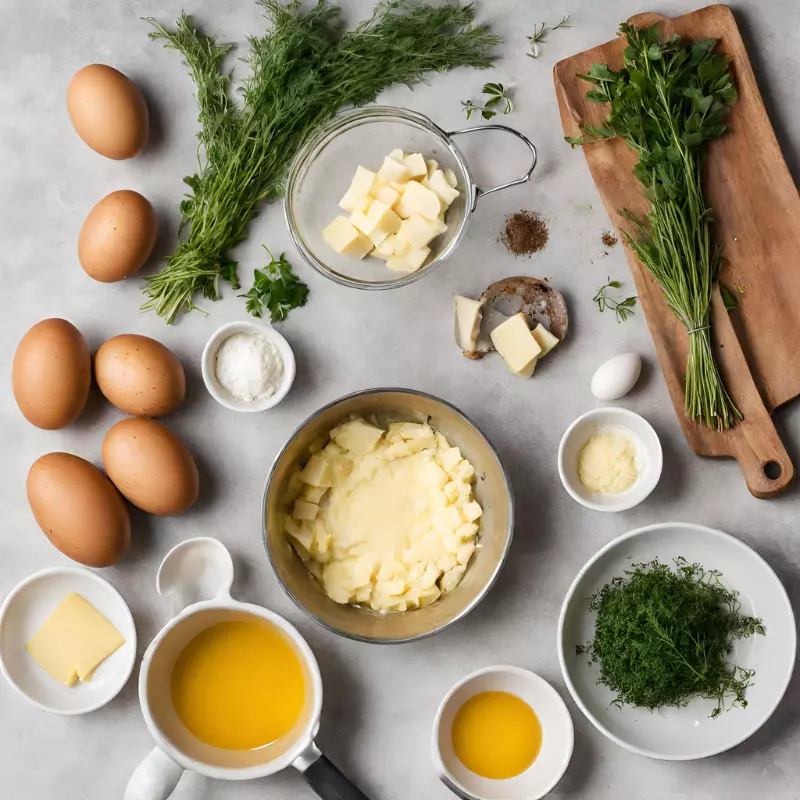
468,315
513,340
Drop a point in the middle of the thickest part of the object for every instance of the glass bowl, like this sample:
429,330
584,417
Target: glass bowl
324,167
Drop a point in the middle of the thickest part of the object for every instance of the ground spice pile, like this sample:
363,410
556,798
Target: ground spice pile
608,239
526,232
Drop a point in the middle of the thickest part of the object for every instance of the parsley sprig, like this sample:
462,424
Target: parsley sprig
497,94
276,288
663,636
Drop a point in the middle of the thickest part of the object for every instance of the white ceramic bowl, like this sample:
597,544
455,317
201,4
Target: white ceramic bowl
679,734
209,366
25,610
649,457
557,736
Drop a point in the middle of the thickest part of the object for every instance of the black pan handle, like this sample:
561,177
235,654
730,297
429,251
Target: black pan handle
329,783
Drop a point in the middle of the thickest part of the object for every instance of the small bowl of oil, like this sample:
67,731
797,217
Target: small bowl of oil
502,733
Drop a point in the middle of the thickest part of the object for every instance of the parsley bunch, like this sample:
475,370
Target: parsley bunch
276,288
667,102
302,71
663,637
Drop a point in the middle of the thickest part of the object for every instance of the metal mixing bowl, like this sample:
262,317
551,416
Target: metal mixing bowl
492,490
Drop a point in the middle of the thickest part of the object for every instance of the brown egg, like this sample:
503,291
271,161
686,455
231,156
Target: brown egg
108,111
79,509
151,466
117,236
51,373
139,375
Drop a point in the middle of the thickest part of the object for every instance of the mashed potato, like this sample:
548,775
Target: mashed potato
385,518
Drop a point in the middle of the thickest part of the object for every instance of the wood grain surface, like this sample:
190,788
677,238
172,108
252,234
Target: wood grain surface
757,211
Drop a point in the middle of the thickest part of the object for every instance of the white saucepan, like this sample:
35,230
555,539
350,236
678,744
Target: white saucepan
197,576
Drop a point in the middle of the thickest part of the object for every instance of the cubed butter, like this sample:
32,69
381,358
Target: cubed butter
383,218
415,163
303,510
317,472
360,222
357,436
385,250
417,199
346,239
513,340
415,257
394,171
378,184
432,165
388,196
450,177
544,339
398,155
398,264
468,315
74,640
438,184
417,231
377,237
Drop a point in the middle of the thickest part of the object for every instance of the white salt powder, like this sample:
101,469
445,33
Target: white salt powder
249,367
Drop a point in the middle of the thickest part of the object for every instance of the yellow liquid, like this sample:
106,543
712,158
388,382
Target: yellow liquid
238,685
496,735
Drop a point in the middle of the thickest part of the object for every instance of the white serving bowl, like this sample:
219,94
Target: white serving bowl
649,457
209,366
25,610
557,736
679,734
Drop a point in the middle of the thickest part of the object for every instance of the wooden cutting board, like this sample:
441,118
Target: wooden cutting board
757,209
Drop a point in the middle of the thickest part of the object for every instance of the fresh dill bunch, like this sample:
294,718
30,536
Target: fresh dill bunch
668,101
663,637
301,72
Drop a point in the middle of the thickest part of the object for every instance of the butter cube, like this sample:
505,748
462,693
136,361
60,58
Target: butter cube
397,155
416,165
377,237
388,196
529,370
417,231
357,436
360,222
394,171
450,177
544,339
346,239
74,640
438,184
355,202
513,340
415,257
397,264
378,184
359,189
432,166
383,218
472,511
417,199
398,187
385,250
303,510
317,472
468,316
313,493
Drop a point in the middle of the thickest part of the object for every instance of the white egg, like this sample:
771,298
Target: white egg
616,377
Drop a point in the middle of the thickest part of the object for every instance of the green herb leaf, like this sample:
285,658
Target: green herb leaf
622,308
275,288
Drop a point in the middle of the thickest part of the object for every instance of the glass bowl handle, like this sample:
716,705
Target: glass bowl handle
479,191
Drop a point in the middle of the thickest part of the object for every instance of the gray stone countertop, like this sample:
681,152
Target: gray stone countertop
379,701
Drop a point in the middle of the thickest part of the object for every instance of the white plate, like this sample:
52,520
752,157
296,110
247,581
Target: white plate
557,736
209,363
649,457
679,734
25,610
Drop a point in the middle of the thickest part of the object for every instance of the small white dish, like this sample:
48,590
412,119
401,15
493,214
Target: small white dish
680,734
649,457
209,360
558,736
25,610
